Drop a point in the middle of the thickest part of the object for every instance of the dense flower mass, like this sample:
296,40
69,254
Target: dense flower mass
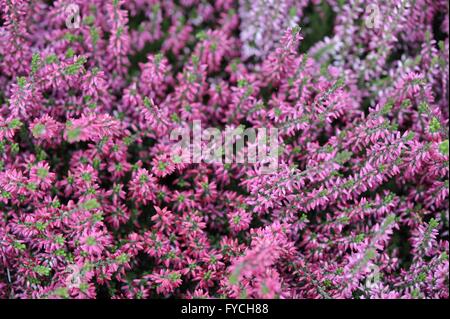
94,203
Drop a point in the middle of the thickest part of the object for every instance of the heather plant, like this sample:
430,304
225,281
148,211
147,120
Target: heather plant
97,202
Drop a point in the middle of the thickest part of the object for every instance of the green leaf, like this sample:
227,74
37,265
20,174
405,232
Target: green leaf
233,279
42,270
91,204
343,157
443,148
15,123
21,81
73,134
35,62
387,107
435,126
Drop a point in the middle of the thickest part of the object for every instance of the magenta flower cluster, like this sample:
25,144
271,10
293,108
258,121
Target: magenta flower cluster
92,204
